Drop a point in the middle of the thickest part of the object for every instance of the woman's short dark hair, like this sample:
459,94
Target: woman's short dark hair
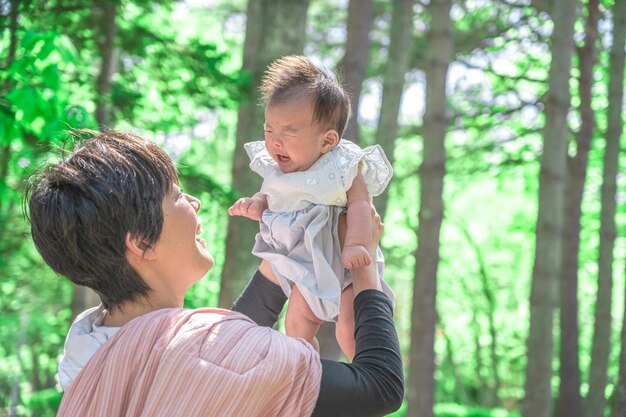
82,208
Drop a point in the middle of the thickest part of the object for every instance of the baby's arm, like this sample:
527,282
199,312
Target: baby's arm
250,207
355,254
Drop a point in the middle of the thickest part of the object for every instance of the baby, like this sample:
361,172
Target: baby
311,176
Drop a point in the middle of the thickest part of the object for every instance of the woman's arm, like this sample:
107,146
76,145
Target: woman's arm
373,384
262,300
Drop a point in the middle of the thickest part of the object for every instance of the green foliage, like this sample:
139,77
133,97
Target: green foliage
164,83
165,80
44,403
455,410
458,410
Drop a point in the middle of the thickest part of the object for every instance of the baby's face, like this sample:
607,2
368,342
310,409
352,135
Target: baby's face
293,140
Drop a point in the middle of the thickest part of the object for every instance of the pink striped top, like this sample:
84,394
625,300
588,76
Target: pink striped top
204,362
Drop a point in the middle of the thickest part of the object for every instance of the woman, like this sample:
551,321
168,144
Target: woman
111,216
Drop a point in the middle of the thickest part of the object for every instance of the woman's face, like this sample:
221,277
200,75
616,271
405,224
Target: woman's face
181,252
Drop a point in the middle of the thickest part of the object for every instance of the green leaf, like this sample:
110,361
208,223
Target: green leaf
66,49
50,76
30,39
52,128
26,100
7,125
20,67
37,125
48,46
45,402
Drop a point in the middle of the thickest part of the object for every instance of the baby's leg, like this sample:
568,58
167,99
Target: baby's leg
300,320
345,323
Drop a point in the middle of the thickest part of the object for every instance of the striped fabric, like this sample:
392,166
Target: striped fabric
205,362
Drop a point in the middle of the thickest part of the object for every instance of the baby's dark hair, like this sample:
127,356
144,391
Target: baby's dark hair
295,76
82,208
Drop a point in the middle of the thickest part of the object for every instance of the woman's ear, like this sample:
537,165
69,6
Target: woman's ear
138,248
331,139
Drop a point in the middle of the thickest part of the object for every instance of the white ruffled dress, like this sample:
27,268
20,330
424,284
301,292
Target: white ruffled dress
298,232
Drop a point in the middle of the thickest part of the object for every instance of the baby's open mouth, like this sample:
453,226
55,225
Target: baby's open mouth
282,158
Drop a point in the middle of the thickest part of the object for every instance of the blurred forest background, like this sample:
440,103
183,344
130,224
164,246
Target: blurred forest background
505,220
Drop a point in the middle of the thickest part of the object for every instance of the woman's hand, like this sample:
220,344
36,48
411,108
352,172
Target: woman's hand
366,277
377,231
378,227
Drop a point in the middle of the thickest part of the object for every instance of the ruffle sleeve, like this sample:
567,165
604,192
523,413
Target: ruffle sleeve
260,159
376,168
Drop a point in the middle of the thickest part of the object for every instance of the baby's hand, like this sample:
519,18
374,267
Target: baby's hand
355,256
250,207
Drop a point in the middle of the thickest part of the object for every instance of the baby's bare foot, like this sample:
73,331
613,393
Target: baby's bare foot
355,256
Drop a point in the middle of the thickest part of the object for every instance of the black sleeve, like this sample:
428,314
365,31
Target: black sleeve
261,300
373,384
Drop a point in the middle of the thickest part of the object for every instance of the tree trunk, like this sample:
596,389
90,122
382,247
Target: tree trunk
461,392
351,71
234,273
267,38
104,12
481,386
106,15
421,386
619,393
5,148
614,131
569,403
13,14
547,266
35,342
354,63
595,402
400,36
15,386
492,397
481,389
